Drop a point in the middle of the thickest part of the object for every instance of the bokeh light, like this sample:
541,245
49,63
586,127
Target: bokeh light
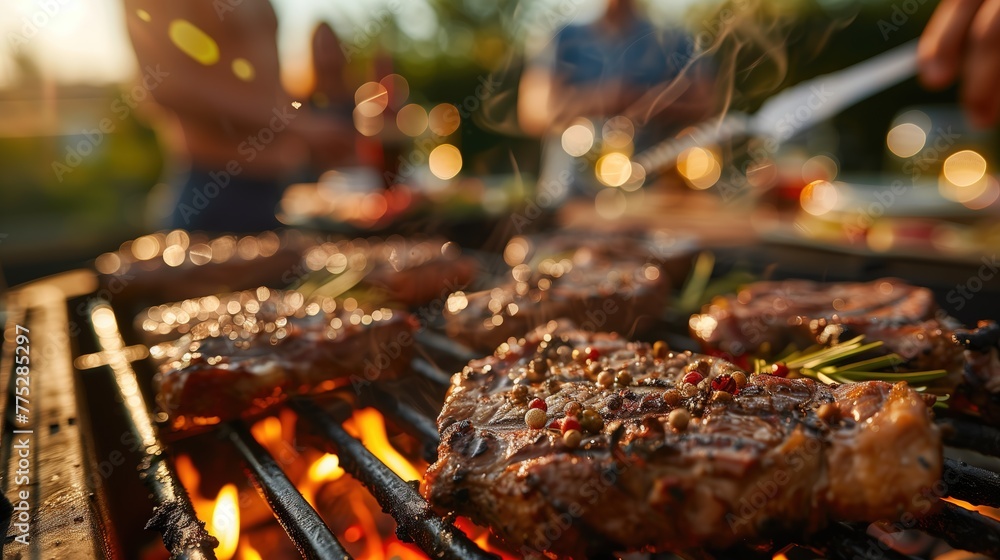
964,168
444,119
243,70
819,197
371,99
578,139
397,89
194,42
700,167
906,139
613,169
412,120
445,161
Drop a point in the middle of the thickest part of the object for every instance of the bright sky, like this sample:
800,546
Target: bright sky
84,41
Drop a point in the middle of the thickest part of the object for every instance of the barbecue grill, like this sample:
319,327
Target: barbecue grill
83,499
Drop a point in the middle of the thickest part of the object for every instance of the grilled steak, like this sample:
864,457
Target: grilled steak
578,444
609,283
765,317
405,271
178,265
250,351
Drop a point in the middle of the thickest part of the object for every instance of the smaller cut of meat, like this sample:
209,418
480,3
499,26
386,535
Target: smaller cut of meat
176,265
608,283
250,351
762,319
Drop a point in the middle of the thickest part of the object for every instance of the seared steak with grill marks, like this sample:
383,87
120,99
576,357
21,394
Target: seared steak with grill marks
250,351
629,456
765,317
612,282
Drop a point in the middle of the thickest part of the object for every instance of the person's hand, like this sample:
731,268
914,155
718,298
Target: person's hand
962,40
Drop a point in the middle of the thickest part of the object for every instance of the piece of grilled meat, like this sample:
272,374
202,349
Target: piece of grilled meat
663,464
175,265
250,351
608,282
763,318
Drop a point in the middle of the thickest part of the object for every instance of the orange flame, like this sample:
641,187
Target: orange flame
369,426
225,524
993,513
355,518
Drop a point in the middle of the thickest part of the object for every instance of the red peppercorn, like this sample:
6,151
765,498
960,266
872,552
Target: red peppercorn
538,403
779,370
592,353
693,377
724,382
556,424
570,423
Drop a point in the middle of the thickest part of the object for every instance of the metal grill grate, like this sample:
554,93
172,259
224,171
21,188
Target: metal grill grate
185,537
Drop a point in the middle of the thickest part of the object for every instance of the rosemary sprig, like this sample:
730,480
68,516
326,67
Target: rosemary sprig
827,364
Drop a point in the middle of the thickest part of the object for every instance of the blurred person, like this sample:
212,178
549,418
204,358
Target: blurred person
618,65
962,42
240,135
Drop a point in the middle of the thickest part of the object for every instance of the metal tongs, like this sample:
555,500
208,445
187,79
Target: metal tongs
793,109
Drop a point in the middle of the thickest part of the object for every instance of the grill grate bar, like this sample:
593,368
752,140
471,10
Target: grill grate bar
304,526
409,419
843,542
441,343
183,533
972,484
963,529
430,371
965,434
413,516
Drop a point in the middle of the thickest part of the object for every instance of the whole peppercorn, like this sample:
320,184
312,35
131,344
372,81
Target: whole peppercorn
591,421
535,418
724,382
623,378
672,397
660,349
573,409
679,419
570,423
740,378
721,397
572,438
779,370
693,377
606,378
539,404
